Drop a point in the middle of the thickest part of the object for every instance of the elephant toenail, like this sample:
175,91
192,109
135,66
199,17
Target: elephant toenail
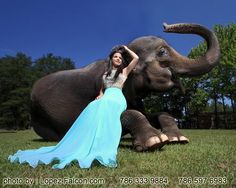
164,138
182,138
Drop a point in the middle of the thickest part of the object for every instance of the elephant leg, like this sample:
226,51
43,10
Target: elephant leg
46,132
145,137
169,127
43,125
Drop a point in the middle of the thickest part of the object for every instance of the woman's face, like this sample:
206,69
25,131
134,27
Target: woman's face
117,59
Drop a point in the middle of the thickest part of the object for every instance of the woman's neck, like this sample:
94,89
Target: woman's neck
114,68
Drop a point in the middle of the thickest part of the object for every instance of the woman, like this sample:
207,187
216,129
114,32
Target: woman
96,132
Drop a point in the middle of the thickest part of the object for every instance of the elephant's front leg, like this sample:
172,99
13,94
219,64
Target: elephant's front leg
145,137
168,126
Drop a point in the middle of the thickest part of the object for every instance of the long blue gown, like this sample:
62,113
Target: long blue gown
95,135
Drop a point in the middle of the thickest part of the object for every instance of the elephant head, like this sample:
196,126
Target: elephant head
160,65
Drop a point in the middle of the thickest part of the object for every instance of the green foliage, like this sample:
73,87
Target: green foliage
18,73
153,103
50,64
199,100
16,80
211,107
171,102
15,110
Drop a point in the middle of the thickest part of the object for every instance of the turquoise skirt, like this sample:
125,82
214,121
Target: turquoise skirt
95,135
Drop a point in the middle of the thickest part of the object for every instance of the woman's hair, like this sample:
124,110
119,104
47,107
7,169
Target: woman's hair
117,49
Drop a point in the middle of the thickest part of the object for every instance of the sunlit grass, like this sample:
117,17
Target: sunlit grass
210,153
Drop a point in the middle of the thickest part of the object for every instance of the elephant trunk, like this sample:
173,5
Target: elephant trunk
185,66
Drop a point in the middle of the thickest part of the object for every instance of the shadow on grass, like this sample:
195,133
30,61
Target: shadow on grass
126,143
125,146
3,132
42,140
126,139
130,147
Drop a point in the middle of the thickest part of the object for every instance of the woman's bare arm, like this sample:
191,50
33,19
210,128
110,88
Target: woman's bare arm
133,62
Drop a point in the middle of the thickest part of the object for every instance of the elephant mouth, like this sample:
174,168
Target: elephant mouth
174,76
176,80
171,77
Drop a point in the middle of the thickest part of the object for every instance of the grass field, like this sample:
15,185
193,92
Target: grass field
209,160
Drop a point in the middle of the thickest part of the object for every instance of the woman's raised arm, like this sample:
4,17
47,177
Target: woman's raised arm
133,63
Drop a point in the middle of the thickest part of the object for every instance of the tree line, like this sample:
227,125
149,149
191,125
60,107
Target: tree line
17,76
212,93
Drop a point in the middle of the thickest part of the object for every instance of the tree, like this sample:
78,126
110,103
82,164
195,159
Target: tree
50,64
16,80
220,82
17,77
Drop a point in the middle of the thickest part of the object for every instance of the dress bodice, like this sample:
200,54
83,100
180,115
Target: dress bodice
110,81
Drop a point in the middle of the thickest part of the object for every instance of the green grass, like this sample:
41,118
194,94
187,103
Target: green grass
210,153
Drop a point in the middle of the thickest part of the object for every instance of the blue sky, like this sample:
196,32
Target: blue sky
86,30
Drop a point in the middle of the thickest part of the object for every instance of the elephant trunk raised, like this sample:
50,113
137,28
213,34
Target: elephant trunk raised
191,67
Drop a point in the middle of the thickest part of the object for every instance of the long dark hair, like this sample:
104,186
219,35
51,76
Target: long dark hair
117,49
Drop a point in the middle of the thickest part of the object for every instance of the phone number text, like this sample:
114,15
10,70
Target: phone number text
144,180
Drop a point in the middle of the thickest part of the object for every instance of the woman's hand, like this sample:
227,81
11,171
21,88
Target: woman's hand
100,94
125,47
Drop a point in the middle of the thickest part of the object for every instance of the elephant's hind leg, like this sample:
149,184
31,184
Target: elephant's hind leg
46,132
43,124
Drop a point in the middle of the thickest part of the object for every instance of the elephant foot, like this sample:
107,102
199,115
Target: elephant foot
170,129
175,136
153,143
145,137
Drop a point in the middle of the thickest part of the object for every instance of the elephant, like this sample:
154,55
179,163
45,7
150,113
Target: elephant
58,98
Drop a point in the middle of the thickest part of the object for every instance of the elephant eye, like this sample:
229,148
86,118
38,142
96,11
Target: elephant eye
162,52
